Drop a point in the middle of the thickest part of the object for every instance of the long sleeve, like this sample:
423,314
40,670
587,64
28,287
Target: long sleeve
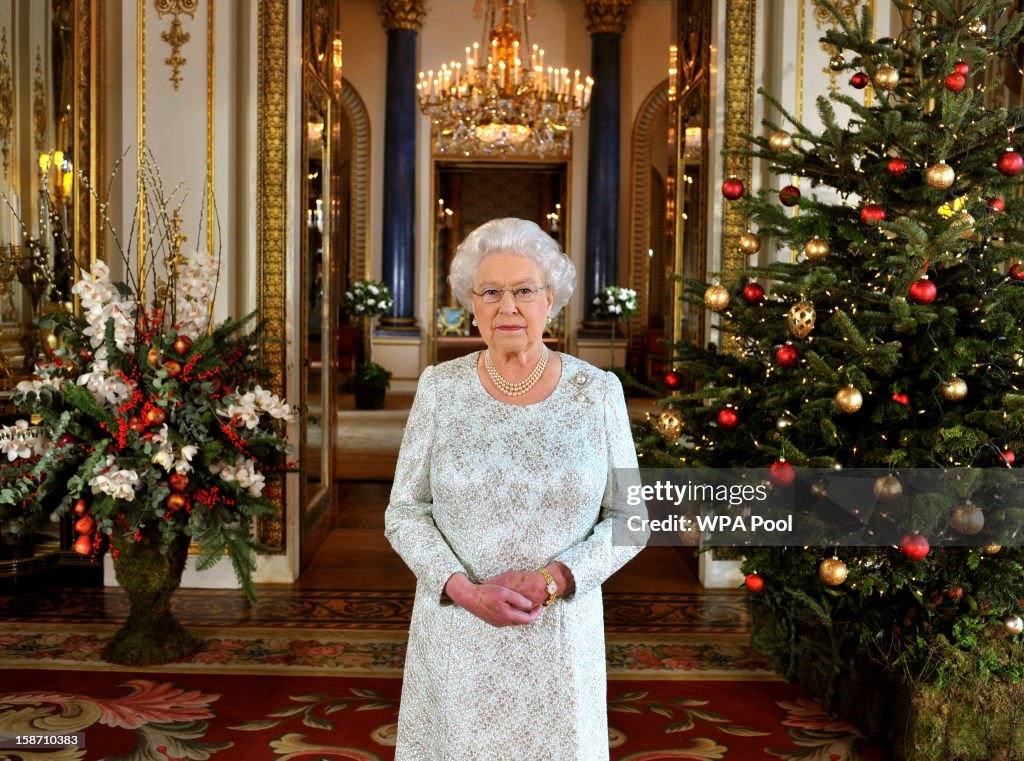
611,544
408,522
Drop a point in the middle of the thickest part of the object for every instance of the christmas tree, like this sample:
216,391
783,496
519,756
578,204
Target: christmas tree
890,339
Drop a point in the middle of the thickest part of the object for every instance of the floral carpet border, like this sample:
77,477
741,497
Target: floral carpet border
381,654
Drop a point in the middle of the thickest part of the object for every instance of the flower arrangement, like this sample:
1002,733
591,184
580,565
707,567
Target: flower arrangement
153,425
368,299
615,303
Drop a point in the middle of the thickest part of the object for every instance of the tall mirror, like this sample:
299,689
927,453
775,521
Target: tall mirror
321,229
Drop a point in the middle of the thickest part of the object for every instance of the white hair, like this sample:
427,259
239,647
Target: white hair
512,236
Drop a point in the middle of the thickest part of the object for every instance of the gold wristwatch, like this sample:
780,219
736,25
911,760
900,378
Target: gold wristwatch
551,587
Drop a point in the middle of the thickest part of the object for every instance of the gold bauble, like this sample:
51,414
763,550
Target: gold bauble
968,519
1013,625
886,77
968,222
833,571
801,319
670,425
977,28
816,249
849,399
955,389
836,62
716,297
750,243
780,141
888,488
992,549
940,176
690,535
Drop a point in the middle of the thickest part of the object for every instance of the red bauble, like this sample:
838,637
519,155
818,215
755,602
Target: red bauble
176,502
85,525
901,398
897,167
1010,163
81,506
859,80
754,582
787,356
781,473
155,417
956,82
732,188
922,291
1017,272
961,68
728,418
83,545
182,344
996,204
753,293
789,195
872,213
1007,457
178,481
674,380
66,440
914,546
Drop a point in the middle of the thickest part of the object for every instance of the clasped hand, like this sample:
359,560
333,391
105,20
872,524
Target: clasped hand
513,598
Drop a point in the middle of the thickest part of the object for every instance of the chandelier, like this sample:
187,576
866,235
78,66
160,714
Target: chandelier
496,102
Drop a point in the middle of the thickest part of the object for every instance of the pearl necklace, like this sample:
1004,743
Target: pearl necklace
522,387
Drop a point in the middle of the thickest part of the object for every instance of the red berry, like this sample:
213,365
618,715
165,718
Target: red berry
922,291
787,356
956,82
789,195
753,293
781,473
901,398
727,418
732,188
754,582
914,546
83,545
897,167
674,380
66,440
859,80
1010,163
872,213
996,204
961,68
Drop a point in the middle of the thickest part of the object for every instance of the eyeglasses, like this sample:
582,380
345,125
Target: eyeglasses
520,295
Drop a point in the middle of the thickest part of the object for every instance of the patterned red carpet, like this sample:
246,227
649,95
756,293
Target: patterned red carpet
143,716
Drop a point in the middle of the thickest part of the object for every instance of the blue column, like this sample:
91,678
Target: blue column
398,249
602,244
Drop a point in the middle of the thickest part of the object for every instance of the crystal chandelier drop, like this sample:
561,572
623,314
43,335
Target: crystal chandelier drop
496,102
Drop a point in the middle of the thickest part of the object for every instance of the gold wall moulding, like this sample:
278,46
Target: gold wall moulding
39,114
272,169
823,16
607,16
176,36
6,102
402,14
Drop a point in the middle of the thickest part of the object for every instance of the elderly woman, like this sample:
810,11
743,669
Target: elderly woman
503,508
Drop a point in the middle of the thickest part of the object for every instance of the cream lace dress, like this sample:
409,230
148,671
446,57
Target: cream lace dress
484,487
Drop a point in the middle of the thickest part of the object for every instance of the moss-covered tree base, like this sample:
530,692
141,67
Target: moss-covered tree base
151,634
976,715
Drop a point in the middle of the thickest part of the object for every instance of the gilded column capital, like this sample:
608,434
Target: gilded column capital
607,15
402,14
